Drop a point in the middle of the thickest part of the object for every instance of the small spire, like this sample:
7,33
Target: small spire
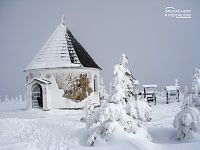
63,19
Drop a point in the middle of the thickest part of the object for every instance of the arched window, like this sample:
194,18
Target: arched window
95,84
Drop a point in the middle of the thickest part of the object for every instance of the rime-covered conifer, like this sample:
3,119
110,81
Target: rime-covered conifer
123,111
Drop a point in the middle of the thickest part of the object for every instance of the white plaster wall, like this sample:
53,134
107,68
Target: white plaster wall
48,96
44,97
54,98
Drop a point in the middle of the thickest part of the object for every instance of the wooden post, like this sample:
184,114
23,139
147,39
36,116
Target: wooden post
178,95
154,99
167,97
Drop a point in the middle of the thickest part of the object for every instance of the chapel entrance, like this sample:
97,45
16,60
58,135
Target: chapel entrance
37,100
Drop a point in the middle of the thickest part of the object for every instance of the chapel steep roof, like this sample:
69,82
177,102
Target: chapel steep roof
62,50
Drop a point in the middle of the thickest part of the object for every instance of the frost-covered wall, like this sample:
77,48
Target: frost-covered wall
65,87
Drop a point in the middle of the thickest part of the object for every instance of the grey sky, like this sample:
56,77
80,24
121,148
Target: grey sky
159,48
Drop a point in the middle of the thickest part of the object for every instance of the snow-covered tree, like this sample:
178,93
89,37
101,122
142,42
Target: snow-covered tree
124,88
187,122
24,97
123,82
195,90
176,82
144,110
20,98
186,91
187,101
12,99
88,109
121,113
103,92
6,99
16,99
139,110
111,119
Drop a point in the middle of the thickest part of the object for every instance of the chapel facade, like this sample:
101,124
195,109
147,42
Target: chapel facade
62,74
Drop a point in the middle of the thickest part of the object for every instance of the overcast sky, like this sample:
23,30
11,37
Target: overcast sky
159,48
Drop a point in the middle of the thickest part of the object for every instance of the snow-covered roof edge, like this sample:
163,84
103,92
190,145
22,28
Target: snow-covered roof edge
150,86
39,80
172,88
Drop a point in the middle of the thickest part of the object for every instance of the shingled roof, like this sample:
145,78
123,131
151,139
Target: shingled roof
62,50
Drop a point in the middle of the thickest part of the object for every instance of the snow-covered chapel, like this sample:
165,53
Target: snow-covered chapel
62,74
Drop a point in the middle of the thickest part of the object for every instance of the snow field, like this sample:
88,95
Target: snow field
62,130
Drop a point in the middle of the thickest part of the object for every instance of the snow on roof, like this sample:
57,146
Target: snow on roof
40,80
150,86
172,88
44,81
62,50
136,82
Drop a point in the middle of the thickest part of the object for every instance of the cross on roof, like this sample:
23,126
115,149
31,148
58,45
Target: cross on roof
63,19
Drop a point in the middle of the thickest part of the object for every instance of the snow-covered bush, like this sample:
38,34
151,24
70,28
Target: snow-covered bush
20,98
6,99
144,110
139,109
103,92
13,99
195,90
186,91
110,119
89,110
123,112
176,82
187,121
187,102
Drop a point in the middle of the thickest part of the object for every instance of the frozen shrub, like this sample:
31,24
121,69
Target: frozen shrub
195,90
187,121
6,99
103,92
20,98
88,109
144,110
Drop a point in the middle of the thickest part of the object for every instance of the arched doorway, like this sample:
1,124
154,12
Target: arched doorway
37,100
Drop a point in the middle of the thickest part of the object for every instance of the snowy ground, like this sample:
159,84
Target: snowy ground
61,129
